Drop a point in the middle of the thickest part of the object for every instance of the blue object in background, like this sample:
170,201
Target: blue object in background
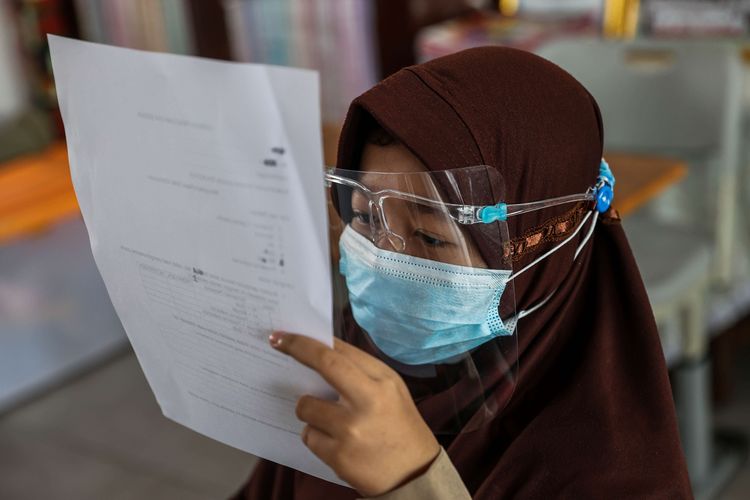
56,318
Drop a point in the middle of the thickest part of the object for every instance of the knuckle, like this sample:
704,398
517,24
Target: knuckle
329,361
347,431
351,431
389,372
392,384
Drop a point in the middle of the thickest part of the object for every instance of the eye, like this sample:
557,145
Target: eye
361,217
431,240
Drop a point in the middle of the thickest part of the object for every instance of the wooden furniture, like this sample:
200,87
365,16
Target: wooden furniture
35,193
640,178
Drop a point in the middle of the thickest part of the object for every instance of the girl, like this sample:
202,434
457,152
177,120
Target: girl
490,349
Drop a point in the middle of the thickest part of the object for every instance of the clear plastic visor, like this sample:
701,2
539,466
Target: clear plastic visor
420,284
421,214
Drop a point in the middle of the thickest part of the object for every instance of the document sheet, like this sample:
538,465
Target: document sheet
201,186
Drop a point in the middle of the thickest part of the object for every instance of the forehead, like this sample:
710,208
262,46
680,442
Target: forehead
379,163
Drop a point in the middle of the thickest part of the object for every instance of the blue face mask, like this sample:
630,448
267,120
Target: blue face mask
418,311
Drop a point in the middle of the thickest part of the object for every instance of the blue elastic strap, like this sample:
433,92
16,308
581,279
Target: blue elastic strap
606,173
605,184
493,213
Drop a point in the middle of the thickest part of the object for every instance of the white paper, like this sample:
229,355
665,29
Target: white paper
201,185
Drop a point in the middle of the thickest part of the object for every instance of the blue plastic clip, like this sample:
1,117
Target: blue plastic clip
493,213
605,184
605,172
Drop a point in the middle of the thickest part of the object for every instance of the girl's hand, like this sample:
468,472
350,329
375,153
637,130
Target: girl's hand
373,437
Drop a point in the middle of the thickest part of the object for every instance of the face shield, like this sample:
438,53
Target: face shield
423,296
415,289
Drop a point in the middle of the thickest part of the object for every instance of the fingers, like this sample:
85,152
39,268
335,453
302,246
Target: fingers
371,365
338,370
323,415
320,443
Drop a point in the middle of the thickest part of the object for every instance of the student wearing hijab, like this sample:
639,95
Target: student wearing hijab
476,179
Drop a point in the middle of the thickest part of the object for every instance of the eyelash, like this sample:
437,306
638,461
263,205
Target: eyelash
431,241
364,218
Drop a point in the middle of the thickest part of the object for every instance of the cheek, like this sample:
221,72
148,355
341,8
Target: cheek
476,258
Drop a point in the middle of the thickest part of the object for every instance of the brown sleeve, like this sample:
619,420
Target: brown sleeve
440,482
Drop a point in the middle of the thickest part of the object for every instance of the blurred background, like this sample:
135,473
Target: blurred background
77,419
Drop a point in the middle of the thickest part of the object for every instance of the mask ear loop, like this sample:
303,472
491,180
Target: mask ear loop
603,192
526,312
560,245
588,235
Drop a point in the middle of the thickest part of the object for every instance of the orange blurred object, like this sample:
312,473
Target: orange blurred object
641,178
35,193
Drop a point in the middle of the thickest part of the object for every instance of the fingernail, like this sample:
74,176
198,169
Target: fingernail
275,339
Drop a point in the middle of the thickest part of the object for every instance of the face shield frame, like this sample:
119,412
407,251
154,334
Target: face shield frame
463,394
465,214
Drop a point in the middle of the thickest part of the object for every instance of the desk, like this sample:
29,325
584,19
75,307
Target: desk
640,178
35,193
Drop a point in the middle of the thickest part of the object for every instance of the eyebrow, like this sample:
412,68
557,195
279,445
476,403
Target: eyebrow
356,194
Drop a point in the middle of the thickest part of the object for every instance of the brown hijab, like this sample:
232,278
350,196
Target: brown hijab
592,414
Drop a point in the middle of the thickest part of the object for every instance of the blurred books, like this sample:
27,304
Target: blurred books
335,37
490,28
696,18
550,8
161,25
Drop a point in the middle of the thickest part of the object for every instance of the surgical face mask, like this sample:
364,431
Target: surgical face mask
419,311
